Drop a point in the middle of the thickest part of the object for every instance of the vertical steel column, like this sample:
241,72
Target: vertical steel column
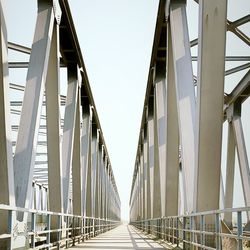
98,179
242,154
108,190
138,197
68,132
172,136
89,173
24,159
230,174
146,174
210,100
161,120
132,202
106,187
135,199
185,95
102,184
53,122
150,138
94,159
76,163
156,183
141,164
85,148
139,187
7,194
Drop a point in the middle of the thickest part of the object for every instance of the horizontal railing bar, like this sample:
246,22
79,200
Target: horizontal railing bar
230,58
5,236
42,212
212,212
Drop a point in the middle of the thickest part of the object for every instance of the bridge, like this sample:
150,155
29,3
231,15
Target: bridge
57,184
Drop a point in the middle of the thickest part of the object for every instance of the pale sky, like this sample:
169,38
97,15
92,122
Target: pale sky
116,40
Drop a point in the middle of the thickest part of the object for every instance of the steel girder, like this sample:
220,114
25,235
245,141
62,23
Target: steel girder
184,116
50,161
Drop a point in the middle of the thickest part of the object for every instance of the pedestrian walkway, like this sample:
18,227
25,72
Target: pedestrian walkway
122,237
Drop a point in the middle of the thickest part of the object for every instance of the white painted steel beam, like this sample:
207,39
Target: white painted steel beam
86,140
68,132
242,154
146,175
161,120
53,121
105,186
98,179
141,166
172,136
156,176
76,162
230,173
32,104
210,100
85,148
94,162
186,102
102,183
150,138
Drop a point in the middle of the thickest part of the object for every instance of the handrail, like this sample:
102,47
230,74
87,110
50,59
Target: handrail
191,229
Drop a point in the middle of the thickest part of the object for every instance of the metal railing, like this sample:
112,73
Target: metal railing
204,230
49,230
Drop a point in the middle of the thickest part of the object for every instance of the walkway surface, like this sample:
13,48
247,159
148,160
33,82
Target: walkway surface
122,237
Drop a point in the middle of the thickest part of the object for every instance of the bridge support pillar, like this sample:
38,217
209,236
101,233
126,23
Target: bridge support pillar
53,121
210,101
186,106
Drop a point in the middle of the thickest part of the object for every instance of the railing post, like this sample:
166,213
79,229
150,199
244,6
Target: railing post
10,227
33,228
82,229
239,230
159,228
173,230
99,225
67,231
184,233
165,229
217,229
168,230
177,231
73,232
48,228
191,227
86,228
59,233
202,230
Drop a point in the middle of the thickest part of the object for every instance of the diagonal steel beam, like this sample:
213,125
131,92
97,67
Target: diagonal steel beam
186,102
32,104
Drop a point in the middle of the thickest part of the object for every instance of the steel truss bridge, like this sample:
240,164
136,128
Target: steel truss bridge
178,193
56,180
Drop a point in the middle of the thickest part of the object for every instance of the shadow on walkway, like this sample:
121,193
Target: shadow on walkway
122,237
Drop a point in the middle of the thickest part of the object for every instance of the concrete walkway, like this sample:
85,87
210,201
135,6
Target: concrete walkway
122,237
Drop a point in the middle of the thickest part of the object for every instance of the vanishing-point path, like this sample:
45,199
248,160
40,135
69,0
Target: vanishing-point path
123,237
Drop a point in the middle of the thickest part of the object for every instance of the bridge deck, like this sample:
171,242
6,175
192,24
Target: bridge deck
122,237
